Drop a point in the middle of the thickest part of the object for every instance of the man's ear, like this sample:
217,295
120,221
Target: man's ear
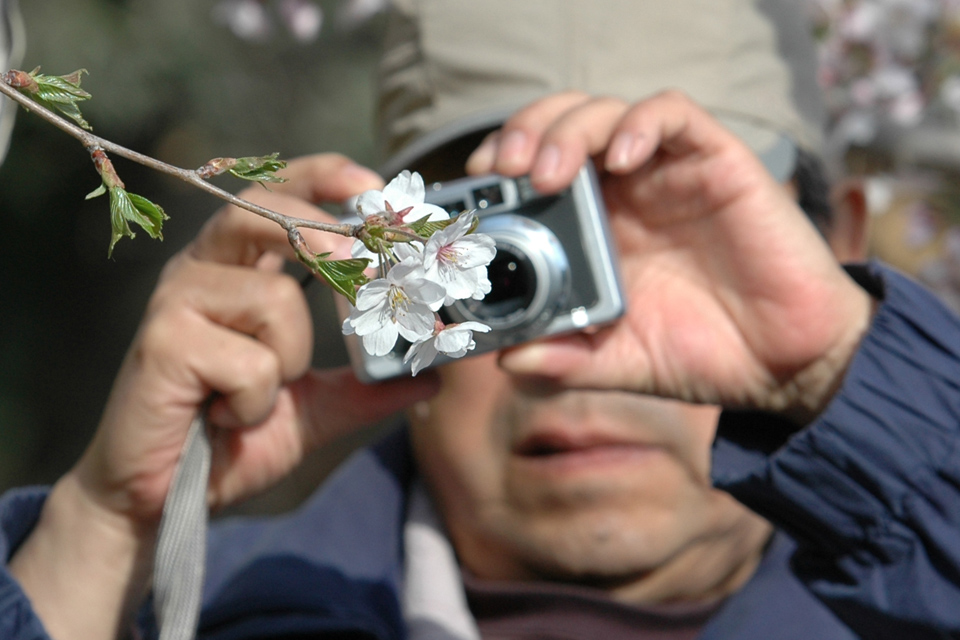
849,233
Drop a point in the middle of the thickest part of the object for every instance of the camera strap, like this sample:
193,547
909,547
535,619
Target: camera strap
180,556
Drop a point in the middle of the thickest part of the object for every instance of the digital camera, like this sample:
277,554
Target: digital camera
554,271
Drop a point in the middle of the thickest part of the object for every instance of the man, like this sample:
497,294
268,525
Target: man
543,490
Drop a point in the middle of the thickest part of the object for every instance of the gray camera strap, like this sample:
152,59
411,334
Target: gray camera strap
182,540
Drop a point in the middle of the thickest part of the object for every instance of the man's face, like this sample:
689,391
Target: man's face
596,487
604,488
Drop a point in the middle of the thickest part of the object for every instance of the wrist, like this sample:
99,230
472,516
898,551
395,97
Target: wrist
84,567
816,385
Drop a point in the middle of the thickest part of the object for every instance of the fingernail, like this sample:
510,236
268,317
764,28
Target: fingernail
623,152
526,359
548,162
513,147
481,160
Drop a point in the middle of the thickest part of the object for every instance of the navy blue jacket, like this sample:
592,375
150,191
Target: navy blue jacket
866,499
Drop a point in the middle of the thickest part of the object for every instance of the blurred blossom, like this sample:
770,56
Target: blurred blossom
302,18
895,80
907,110
922,224
862,22
247,19
863,91
950,92
886,62
256,20
857,127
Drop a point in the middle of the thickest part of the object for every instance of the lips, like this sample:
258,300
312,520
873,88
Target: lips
545,444
578,450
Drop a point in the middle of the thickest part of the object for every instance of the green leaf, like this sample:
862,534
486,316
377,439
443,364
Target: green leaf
96,193
61,93
128,207
259,169
344,276
426,228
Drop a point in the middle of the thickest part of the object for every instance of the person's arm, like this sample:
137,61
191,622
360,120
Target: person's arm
870,489
223,320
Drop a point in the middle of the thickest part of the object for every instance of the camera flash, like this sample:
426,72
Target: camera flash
579,317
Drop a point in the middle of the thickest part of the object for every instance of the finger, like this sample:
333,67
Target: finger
185,350
326,177
668,122
240,237
268,307
580,133
511,152
321,406
334,402
570,361
482,159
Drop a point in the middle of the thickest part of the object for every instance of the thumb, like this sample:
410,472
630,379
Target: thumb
333,402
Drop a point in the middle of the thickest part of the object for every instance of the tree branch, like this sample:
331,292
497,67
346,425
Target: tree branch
94,143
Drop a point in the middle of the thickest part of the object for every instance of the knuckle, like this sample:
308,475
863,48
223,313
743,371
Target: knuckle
674,96
163,336
282,299
257,369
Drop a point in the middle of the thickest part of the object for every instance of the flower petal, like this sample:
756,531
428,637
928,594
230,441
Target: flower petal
422,353
380,343
370,203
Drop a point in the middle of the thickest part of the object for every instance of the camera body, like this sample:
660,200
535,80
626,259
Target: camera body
554,271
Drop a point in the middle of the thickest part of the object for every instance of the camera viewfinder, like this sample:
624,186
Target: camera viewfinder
488,196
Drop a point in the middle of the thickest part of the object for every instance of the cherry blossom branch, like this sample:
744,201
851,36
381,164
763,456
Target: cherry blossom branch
96,145
426,259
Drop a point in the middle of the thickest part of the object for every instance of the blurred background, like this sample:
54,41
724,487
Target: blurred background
189,80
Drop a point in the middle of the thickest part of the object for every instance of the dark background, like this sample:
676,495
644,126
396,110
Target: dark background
169,80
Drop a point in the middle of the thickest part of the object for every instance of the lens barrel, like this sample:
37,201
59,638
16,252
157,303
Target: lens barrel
529,277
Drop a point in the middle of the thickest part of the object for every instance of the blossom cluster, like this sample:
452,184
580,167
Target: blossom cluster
259,21
886,62
426,260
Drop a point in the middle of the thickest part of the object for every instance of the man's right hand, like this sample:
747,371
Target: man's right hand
224,321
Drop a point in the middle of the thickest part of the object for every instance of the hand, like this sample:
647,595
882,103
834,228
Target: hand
733,297
223,320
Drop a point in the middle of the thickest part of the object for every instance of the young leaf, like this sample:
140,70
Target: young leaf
128,207
345,276
259,169
96,193
60,93
426,228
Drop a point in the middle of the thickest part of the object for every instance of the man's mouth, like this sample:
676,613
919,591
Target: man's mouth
578,451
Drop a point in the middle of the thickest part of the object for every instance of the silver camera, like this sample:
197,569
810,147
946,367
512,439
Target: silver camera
554,270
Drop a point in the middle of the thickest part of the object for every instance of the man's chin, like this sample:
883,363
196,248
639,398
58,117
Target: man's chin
595,547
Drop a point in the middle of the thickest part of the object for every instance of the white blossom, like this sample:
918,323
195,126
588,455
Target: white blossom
400,202
458,260
427,273
403,197
302,18
453,340
403,303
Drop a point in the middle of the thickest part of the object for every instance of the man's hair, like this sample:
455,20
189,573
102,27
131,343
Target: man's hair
813,189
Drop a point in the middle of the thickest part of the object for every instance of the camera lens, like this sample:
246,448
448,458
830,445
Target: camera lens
513,281
529,280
